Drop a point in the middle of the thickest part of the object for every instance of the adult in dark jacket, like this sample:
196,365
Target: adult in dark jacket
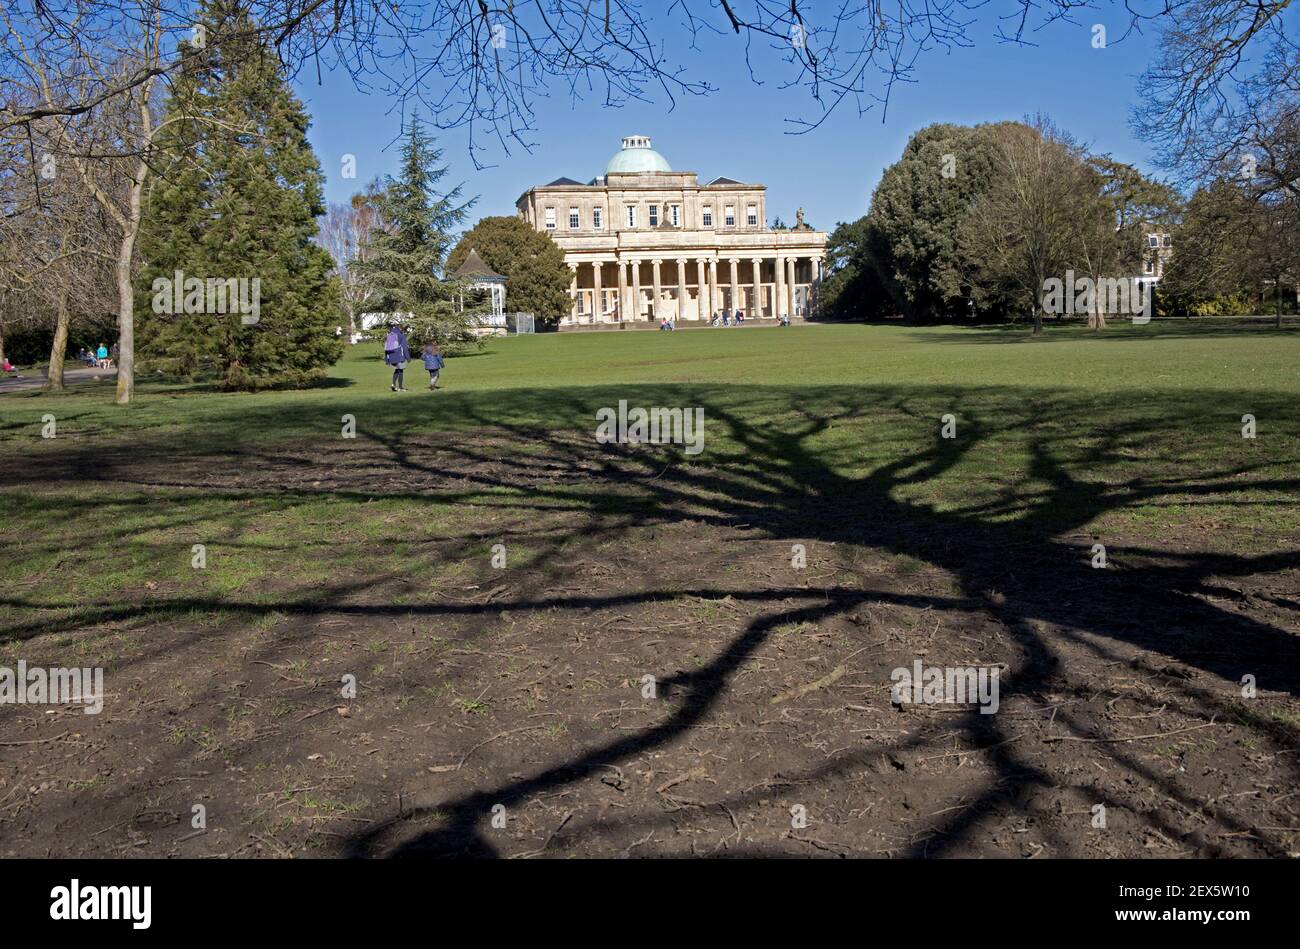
397,353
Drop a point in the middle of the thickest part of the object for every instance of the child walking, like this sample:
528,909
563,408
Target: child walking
433,362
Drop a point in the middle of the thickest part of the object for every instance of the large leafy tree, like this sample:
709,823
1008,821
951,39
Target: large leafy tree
537,279
239,201
916,211
403,265
856,286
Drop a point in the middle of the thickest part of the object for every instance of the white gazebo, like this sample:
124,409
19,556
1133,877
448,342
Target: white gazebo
479,276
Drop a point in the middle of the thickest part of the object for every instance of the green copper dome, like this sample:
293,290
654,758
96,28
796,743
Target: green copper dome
637,157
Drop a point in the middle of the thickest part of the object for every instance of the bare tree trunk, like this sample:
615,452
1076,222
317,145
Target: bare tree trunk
1038,320
2,347
125,296
54,377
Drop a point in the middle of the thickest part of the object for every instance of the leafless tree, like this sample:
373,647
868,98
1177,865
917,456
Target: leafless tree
1223,94
345,232
483,63
1041,215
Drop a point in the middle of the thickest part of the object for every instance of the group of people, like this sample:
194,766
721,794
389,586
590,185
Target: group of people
397,353
101,358
723,318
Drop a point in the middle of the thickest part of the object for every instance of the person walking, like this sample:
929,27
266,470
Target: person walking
397,353
433,362
101,356
740,316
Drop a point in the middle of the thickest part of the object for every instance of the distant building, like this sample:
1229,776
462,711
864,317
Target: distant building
644,242
1157,251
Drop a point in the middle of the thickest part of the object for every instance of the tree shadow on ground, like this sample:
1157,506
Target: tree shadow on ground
1007,508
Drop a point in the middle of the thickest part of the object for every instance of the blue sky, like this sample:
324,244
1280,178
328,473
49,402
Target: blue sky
741,129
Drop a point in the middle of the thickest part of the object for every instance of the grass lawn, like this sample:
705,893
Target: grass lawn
372,556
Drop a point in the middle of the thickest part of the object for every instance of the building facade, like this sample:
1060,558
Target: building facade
1157,250
646,243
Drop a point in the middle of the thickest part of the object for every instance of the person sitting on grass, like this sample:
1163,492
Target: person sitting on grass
433,362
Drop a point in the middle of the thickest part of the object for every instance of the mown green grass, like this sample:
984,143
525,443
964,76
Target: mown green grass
1135,431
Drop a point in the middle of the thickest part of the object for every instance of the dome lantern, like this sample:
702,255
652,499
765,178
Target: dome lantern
637,157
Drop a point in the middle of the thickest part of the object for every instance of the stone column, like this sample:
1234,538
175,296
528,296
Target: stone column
756,305
597,309
635,312
789,275
702,308
813,292
779,303
622,288
681,288
654,273
735,282
573,292
714,293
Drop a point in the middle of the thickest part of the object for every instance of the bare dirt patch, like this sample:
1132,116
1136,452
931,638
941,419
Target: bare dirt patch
508,713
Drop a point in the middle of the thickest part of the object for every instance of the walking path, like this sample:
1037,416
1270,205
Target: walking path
34,380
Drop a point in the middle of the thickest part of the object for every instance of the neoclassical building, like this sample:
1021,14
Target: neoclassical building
645,242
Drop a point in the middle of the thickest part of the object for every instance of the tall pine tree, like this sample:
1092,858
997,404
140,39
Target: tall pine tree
404,264
238,198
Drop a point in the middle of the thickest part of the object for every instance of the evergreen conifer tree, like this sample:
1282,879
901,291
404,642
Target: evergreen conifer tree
238,199
404,263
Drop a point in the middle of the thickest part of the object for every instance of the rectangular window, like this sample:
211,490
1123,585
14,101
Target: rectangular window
751,215
1168,241
729,216
708,217
631,215
550,219
575,221
596,222
1153,241
654,215
675,215
1150,266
